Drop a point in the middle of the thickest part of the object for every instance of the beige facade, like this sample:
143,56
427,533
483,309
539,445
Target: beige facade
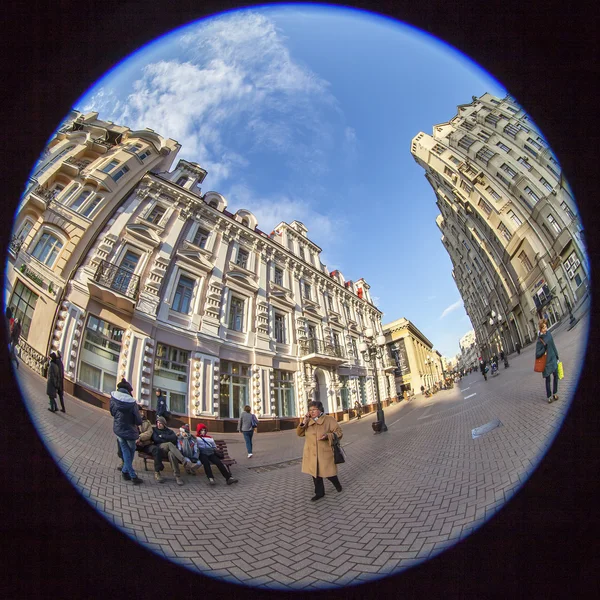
508,220
85,172
418,363
166,287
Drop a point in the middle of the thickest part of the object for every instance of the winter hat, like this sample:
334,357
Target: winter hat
125,385
200,427
162,420
186,428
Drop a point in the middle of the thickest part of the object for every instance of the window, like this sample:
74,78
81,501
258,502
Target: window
118,174
23,303
494,102
493,193
525,261
113,164
466,245
546,184
100,354
345,391
466,142
72,191
484,154
312,332
354,347
466,186
301,252
492,118
503,147
47,249
454,160
329,302
555,224
307,290
213,204
511,130
246,222
234,389
504,231
468,125
535,144
476,264
280,328
183,295
78,202
532,194
514,218
144,155
171,376
508,169
283,384
200,237
53,160
242,258
156,214
337,347
439,149
485,207
524,162
530,150
512,109
553,171
278,276
484,135
564,206
449,172
26,228
503,179
236,314
91,207
182,181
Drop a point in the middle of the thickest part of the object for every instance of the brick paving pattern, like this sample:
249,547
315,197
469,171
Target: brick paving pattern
408,493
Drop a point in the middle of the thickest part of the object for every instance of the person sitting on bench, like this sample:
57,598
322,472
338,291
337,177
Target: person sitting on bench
186,444
164,443
207,454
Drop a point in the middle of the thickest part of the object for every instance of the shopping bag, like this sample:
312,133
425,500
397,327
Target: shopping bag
540,364
561,371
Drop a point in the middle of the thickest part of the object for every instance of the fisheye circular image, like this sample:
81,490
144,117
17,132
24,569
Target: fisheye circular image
296,312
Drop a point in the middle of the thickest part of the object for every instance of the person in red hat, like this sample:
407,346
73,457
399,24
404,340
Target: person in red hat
207,454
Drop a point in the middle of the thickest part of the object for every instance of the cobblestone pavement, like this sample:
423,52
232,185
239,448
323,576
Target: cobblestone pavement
408,493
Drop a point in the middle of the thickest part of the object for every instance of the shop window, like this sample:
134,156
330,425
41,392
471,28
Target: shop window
234,389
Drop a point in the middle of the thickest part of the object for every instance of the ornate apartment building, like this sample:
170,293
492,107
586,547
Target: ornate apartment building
166,287
469,352
508,220
417,362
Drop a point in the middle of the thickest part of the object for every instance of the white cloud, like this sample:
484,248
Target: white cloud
451,308
235,84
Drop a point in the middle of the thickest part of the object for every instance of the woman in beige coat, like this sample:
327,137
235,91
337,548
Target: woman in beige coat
317,428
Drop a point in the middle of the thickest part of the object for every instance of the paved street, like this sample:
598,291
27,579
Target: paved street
408,493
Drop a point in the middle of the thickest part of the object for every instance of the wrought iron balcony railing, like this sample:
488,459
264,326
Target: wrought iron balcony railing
315,346
120,280
32,358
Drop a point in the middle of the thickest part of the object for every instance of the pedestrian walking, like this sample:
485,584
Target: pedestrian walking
358,409
127,418
15,334
545,345
518,347
161,405
53,383
61,389
247,425
318,430
483,367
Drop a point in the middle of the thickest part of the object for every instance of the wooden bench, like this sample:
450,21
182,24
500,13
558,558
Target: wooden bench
221,445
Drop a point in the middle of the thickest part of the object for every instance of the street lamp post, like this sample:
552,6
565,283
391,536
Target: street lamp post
370,348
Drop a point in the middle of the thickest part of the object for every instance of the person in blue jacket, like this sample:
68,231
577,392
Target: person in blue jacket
127,418
545,344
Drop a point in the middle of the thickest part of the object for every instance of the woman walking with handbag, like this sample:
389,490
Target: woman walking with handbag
247,425
546,359
318,430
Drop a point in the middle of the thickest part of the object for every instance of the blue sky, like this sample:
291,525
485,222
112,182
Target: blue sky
306,112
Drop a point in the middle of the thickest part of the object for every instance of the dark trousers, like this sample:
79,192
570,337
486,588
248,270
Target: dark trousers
215,460
61,397
555,386
53,405
320,488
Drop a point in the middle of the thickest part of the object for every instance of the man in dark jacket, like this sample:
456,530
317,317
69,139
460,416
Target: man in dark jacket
53,384
164,445
161,405
126,414
15,334
61,389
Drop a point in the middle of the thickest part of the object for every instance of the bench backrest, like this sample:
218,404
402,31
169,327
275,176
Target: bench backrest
222,446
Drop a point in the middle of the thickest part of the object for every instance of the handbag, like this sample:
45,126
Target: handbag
338,453
540,363
561,371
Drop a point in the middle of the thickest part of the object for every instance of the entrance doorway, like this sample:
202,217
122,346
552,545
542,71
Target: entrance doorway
320,391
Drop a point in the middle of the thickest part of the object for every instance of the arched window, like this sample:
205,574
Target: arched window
246,222
214,204
78,202
91,207
47,249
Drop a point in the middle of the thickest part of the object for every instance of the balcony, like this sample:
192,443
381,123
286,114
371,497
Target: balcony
317,352
389,364
115,286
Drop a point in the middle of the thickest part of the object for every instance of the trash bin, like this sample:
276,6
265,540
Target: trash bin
346,416
376,425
